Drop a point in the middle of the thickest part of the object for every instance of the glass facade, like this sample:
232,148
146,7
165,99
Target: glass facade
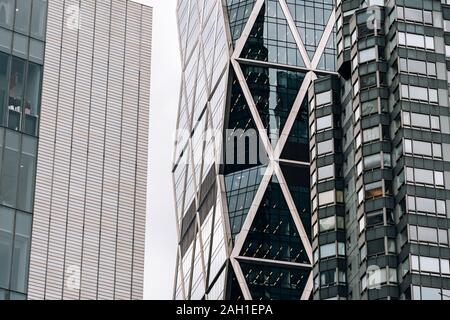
22,42
253,203
350,101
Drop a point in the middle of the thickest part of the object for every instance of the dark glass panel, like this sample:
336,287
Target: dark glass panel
269,282
273,234
274,92
271,39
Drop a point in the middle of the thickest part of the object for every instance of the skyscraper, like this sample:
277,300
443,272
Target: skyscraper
74,81
348,100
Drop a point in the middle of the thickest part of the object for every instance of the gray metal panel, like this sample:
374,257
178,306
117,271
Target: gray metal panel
92,166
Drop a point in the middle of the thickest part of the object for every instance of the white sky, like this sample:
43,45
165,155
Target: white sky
161,238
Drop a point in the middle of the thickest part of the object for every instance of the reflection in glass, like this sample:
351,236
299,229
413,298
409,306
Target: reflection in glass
16,88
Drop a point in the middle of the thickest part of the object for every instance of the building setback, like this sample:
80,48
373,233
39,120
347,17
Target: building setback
349,100
74,81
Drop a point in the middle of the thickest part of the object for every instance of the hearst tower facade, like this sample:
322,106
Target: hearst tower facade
313,148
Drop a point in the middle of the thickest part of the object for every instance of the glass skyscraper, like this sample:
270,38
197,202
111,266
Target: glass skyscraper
311,158
74,100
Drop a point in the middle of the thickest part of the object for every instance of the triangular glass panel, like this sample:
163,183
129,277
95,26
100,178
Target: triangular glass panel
238,13
297,144
233,290
274,92
298,181
311,18
241,188
328,59
243,148
273,234
274,282
271,39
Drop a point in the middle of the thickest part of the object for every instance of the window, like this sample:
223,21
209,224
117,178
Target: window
369,107
327,224
16,92
427,293
6,244
21,252
23,11
327,277
418,67
415,15
327,250
423,176
356,88
371,134
326,172
423,148
416,40
324,122
362,223
367,55
359,168
375,247
38,18
377,160
32,102
426,205
4,62
424,121
358,141
326,198
419,93
330,223
374,190
9,172
15,232
325,147
323,98
6,13
27,172
375,218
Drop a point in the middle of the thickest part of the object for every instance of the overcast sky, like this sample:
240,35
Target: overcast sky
161,242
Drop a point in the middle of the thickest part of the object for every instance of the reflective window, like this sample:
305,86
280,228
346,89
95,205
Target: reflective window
367,55
423,121
4,66
23,11
371,134
326,172
426,205
38,18
324,122
6,13
418,67
426,234
423,176
6,243
328,250
323,98
326,198
416,40
415,15
427,293
419,93
430,265
423,148
325,147
377,160
330,223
